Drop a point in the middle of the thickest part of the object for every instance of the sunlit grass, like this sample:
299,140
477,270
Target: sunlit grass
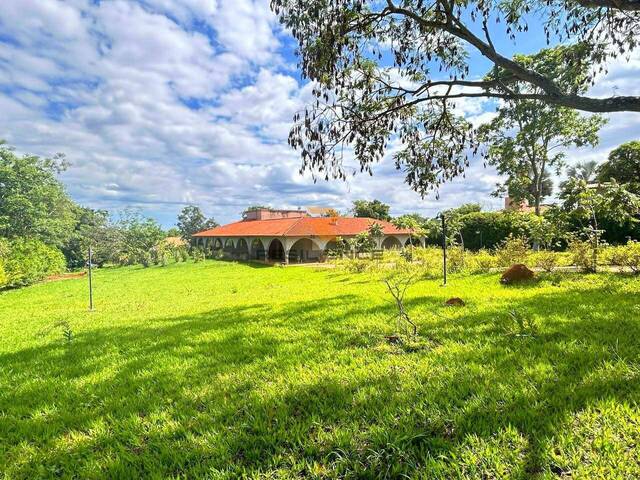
224,370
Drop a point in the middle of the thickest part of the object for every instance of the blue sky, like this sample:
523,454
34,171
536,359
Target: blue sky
161,103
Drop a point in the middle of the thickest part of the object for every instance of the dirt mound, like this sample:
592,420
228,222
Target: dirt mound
455,302
515,274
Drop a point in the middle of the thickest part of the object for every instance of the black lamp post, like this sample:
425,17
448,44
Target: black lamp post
444,248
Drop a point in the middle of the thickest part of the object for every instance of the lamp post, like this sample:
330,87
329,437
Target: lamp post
90,283
479,232
444,248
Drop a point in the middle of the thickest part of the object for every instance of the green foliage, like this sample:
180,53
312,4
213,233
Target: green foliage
512,251
456,259
625,256
623,166
481,262
138,235
191,220
545,260
526,141
33,202
591,204
519,324
92,228
371,209
364,242
582,254
26,261
197,254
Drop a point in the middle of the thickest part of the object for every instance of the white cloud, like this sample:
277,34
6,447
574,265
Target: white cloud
158,103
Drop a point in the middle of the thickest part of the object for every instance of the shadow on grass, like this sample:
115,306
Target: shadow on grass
251,390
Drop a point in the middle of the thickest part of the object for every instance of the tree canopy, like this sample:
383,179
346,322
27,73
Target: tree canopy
33,202
526,141
371,209
623,165
191,220
398,70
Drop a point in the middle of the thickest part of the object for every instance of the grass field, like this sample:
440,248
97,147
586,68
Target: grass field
222,370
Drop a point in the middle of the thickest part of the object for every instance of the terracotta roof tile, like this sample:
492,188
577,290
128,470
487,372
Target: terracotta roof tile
301,227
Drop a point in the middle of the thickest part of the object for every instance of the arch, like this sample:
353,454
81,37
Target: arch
304,250
391,242
276,250
257,249
331,245
217,244
228,244
412,241
242,246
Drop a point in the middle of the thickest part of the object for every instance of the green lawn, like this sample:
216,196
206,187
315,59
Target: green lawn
223,370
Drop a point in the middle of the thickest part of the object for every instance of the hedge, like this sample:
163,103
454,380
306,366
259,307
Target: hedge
26,261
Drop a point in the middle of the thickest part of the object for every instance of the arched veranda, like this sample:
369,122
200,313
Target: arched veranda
276,250
304,250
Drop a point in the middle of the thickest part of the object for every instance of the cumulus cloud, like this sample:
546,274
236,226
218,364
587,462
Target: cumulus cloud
159,103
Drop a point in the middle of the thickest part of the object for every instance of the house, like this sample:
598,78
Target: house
510,205
293,235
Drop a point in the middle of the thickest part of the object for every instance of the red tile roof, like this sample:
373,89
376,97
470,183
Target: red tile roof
301,227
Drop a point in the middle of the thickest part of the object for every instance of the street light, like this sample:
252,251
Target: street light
479,232
444,248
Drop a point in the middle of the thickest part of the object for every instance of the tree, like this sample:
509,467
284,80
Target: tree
191,220
173,232
592,203
138,235
623,165
583,171
376,232
88,231
371,209
33,202
331,212
395,69
525,141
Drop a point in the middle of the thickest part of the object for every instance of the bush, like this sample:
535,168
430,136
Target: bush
481,262
355,265
26,261
429,258
513,250
545,259
625,256
455,259
581,254
198,254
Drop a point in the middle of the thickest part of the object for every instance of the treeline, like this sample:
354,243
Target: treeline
44,232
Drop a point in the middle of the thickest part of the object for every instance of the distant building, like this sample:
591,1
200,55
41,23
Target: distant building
510,205
293,235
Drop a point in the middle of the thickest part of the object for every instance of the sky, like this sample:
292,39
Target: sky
161,103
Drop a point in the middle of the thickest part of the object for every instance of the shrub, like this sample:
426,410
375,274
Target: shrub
545,259
429,258
455,260
625,256
481,262
26,261
197,254
513,250
355,265
3,276
581,254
